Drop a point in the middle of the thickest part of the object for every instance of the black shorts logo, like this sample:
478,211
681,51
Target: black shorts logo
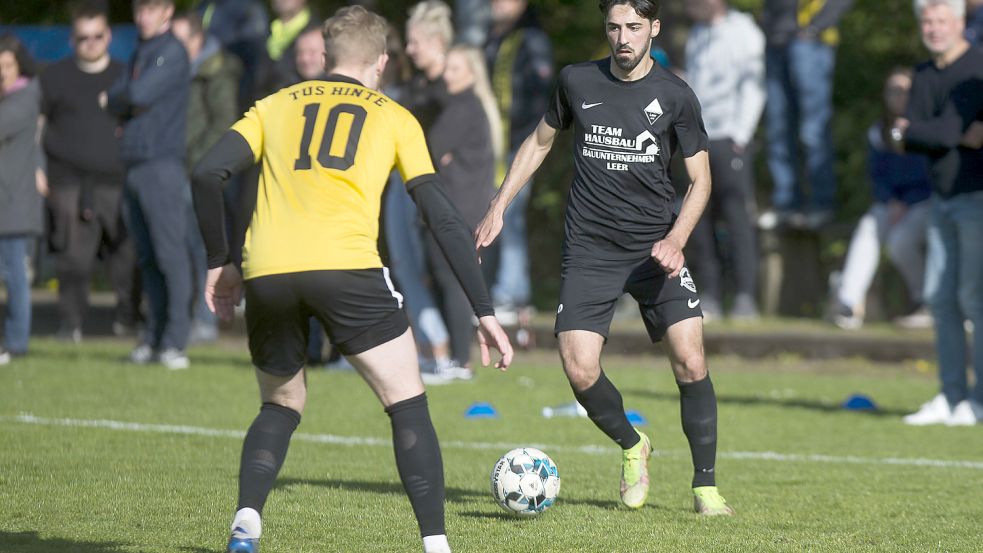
686,281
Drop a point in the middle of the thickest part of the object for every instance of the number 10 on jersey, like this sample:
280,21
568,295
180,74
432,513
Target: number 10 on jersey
324,155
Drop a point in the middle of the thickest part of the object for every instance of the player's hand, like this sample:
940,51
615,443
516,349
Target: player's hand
489,228
669,255
223,290
490,333
41,182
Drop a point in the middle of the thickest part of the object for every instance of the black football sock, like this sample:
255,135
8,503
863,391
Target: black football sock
698,409
604,406
418,462
263,453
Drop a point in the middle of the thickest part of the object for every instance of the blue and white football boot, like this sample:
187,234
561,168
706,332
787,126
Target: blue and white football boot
239,544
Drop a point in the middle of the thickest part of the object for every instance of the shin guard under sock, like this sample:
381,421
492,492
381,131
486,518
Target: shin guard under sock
263,453
418,462
605,407
698,410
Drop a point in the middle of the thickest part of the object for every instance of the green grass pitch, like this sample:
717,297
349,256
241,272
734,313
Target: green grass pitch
803,474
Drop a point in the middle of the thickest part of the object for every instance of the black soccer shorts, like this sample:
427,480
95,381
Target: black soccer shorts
590,288
359,309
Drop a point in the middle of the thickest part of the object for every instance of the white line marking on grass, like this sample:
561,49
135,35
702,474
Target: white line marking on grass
499,446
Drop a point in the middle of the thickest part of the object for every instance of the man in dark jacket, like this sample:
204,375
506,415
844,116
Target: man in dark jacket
86,176
801,41
152,100
943,123
212,109
215,75
520,61
241,26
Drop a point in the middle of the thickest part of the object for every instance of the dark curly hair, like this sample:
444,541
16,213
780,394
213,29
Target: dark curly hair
649,9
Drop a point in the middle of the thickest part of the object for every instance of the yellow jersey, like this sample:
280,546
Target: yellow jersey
327,149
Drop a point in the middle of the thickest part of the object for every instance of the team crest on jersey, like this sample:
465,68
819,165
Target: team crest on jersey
653,111
686,281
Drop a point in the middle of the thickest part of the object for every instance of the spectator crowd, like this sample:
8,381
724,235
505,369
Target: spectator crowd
96,154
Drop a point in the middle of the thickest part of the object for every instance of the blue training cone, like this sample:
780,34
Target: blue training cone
859,402
481,410
635,418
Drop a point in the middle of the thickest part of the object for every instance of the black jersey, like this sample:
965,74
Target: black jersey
79,132
621,199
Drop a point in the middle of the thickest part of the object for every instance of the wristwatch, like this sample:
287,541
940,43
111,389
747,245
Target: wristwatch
896,135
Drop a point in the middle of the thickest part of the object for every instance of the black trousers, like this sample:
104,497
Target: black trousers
86,224
729,217
454,304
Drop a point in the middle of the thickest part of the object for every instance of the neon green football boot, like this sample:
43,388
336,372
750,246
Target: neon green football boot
707,501
635,473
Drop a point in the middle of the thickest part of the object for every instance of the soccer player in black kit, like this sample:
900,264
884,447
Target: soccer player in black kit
621,235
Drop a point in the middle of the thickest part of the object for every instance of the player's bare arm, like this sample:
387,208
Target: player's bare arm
527,160
669,251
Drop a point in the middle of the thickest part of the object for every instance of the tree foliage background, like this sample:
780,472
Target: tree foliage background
876,36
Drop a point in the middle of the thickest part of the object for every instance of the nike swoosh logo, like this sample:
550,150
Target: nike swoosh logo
585,105
692,303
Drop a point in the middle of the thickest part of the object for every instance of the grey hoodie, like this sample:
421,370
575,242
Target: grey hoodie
725,66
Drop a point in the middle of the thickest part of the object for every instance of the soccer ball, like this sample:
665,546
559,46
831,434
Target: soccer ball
525,481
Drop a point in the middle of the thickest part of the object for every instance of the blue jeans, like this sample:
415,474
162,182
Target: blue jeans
954,290
799,80
158,208
512,278
13,271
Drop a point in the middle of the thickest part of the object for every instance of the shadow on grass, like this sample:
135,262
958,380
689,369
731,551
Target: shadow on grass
31,542
809,404
453,495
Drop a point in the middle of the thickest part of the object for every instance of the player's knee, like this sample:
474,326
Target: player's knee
582,371
690,368
290,402
287,396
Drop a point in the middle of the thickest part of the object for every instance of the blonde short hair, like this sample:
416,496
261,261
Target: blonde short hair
354,35
434,17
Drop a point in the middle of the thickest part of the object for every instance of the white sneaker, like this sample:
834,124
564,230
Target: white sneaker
4,357
142,354
936,411
174,359
450,370
434,379
921,318
966,413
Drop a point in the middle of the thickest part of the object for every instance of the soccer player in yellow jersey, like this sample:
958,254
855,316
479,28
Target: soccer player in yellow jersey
327,148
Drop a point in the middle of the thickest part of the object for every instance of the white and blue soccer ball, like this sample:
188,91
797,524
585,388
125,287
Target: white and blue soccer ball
525,481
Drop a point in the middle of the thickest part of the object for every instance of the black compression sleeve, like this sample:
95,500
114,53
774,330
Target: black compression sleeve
454,239
228,156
